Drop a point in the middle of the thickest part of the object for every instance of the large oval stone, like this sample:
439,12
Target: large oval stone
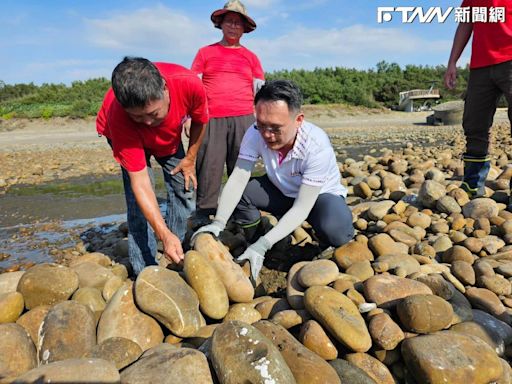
479,208
92,275
169,366
32,320
387,290
122,318
47,284
72,371
11,307
307,367
92,257
68,331
424,313
339,315
119,350
9,281
352,252
313,336
450,357
201,275
17,352
318,272
241,354
244,312
163,294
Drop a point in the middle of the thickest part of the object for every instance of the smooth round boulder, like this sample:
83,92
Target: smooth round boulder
430,191
164,295
92,257
270,307
121,318
118,350
486,334
340,316
387,290
307,367
169,366
11,307
313,336
450,357
201,275
424,313
47,284
32,320
17,352
244,312
318,272
242,354
464,272
84,370
92,275
352,252
9,281
480,208
68,331
439,286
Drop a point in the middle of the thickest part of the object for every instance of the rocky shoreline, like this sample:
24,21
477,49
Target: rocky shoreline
422,295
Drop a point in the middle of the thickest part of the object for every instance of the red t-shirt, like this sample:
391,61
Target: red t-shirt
228,75
492,41
131,140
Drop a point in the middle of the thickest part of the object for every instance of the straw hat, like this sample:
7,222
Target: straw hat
233,6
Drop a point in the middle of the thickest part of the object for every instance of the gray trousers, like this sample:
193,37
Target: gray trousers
485,86
330,217
220,145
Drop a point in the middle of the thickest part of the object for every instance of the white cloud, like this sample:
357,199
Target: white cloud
355,46
261,4
158,30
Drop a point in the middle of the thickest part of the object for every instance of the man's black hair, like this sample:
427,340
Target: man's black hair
284,90
136,81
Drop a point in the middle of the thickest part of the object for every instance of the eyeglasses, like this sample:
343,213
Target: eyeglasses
233,23
272,130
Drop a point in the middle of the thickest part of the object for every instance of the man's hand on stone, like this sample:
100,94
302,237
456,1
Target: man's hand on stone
214,228
172,248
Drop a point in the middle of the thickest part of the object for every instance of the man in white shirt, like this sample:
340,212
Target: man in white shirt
302,180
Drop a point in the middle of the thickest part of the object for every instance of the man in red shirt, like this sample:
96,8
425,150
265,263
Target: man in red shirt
490,77
142,116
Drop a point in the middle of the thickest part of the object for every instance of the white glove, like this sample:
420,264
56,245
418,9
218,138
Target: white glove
255,253
215,228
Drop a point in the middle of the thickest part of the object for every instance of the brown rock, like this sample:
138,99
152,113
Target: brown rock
350,253
313,336
385,333
449,357
306,366
17,352
32,320
47,284
387,290
68,331
424,313
120,351
373,367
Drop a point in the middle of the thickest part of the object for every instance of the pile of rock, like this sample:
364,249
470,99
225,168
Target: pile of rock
422,295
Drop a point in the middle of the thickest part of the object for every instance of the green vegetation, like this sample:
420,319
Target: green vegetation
375,87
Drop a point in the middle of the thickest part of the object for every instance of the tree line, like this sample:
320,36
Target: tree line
374,88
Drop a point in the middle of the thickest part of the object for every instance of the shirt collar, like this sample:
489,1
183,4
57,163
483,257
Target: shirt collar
299,147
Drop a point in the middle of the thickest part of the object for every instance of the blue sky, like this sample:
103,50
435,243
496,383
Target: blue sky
65,40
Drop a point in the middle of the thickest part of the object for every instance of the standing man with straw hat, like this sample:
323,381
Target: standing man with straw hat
231,75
